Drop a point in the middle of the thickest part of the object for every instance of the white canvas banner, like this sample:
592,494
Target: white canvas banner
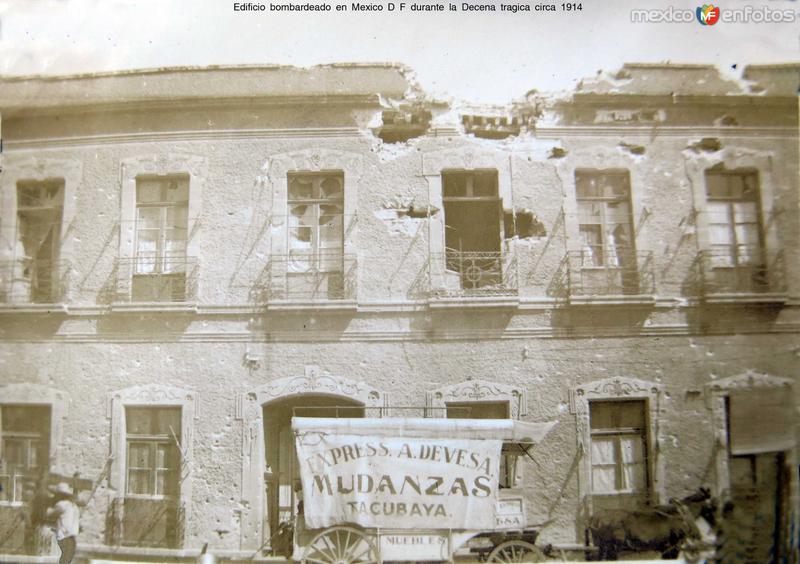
397,482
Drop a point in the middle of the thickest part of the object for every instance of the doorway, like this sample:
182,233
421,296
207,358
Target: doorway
282,472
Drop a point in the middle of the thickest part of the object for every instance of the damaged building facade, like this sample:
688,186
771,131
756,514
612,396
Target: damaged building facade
191,256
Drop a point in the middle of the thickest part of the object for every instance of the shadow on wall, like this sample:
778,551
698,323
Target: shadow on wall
144,327
32,326
737,318
324,325
599,320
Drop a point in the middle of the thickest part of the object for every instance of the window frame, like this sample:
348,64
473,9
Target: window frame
604,223
35,395
510,474
29,472
317,255
163,205
617,434
733,256
619,388
159,166
734,157
24,168
153,395
482,392
153,442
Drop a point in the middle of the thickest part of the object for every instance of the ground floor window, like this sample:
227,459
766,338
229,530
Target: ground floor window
152,510
489,410
619,448
24,448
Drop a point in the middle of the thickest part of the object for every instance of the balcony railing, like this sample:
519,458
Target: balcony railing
309,276
146,523
744,270
157,278
622,273
473,274
28,281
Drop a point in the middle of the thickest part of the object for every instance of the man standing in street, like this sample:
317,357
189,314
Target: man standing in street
66,515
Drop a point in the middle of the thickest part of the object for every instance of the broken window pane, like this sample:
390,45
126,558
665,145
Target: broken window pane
38,241
315,229
331,188
301,187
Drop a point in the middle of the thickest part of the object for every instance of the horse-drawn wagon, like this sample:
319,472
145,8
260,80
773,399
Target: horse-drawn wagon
411,489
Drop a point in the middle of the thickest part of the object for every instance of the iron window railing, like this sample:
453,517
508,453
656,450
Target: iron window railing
741,270
144,522
473,274
309,276
33,281
157,278
622,272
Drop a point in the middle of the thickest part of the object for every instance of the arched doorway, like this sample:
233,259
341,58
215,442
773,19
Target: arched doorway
282,473
269,466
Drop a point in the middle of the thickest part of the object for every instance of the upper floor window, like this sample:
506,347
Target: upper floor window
473,215
732,203
619,447
38,242
316,204
24,448
604,218
315,261
160,261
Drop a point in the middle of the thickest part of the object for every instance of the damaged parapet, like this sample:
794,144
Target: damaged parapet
665,94
493,122
398,125
491,127
774,80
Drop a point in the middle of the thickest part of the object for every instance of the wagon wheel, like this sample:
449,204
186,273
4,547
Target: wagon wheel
516,551
341,545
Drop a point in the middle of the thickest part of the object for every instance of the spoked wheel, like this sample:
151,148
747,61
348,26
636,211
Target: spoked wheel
341,545
516,551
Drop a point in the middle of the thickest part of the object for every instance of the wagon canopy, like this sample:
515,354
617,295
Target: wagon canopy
505,430
407,473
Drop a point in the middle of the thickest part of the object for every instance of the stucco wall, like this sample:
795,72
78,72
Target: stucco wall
394,341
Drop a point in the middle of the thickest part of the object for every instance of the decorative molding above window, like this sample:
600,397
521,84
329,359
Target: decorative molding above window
618,389
479,391
748,380
314,381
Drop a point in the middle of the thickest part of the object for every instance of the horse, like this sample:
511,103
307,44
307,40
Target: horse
664,528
